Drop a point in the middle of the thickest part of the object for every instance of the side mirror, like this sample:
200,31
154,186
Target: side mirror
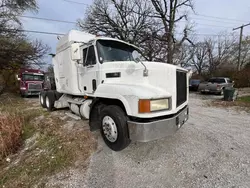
75,52
136,56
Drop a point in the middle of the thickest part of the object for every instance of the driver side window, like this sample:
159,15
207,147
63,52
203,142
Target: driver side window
84,56
89,56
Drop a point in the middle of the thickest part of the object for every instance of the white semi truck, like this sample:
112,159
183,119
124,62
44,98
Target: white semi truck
106,81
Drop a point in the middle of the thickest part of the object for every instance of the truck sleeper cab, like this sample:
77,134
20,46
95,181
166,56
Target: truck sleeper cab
128,99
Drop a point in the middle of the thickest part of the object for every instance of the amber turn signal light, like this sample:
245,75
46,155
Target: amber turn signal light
144,106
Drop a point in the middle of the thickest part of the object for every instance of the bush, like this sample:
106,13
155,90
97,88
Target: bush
242,78
8,81
10,133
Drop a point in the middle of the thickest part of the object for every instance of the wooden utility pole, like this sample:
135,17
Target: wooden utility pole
241,33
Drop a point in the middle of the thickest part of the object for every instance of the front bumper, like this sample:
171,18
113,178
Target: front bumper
144,132
30,93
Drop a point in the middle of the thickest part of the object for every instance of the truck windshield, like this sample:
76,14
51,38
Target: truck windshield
32,77
109,50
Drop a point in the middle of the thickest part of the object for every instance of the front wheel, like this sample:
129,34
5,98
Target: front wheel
114,128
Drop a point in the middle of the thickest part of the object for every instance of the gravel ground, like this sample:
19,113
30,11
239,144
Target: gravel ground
211,150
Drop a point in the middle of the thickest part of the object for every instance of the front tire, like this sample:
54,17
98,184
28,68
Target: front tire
114,128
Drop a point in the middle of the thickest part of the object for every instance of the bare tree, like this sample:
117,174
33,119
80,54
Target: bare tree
150,25
9,12
183,55
245,52
17,52
168,11
117,18
219,51
154,49
199,57
128,20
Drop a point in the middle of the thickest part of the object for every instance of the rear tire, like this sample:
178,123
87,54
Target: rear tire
42,96
114,128
50,101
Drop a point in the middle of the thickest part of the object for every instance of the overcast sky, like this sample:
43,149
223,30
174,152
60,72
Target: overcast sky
235,13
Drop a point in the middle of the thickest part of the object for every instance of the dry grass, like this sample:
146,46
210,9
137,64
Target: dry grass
10,133
242,103
53,151
13,121
47,146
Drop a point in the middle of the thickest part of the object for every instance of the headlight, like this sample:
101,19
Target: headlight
161,104
146,105
23,88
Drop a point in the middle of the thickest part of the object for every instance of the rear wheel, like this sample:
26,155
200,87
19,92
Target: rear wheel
50,101
114,128
42,99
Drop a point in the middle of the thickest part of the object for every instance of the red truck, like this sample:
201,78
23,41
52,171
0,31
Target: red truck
31,82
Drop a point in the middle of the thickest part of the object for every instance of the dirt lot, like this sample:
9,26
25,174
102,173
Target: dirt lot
211,150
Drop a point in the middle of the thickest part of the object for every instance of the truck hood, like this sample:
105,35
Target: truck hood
129,71
161,79
159,74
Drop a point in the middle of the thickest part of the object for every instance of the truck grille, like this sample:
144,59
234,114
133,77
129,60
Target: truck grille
181,87
35,86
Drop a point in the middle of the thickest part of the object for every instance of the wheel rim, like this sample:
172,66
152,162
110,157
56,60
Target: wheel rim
109,128
41,99
47,102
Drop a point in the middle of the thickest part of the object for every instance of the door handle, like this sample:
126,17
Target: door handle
90,66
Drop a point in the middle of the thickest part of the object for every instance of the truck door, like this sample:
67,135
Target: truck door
89,73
